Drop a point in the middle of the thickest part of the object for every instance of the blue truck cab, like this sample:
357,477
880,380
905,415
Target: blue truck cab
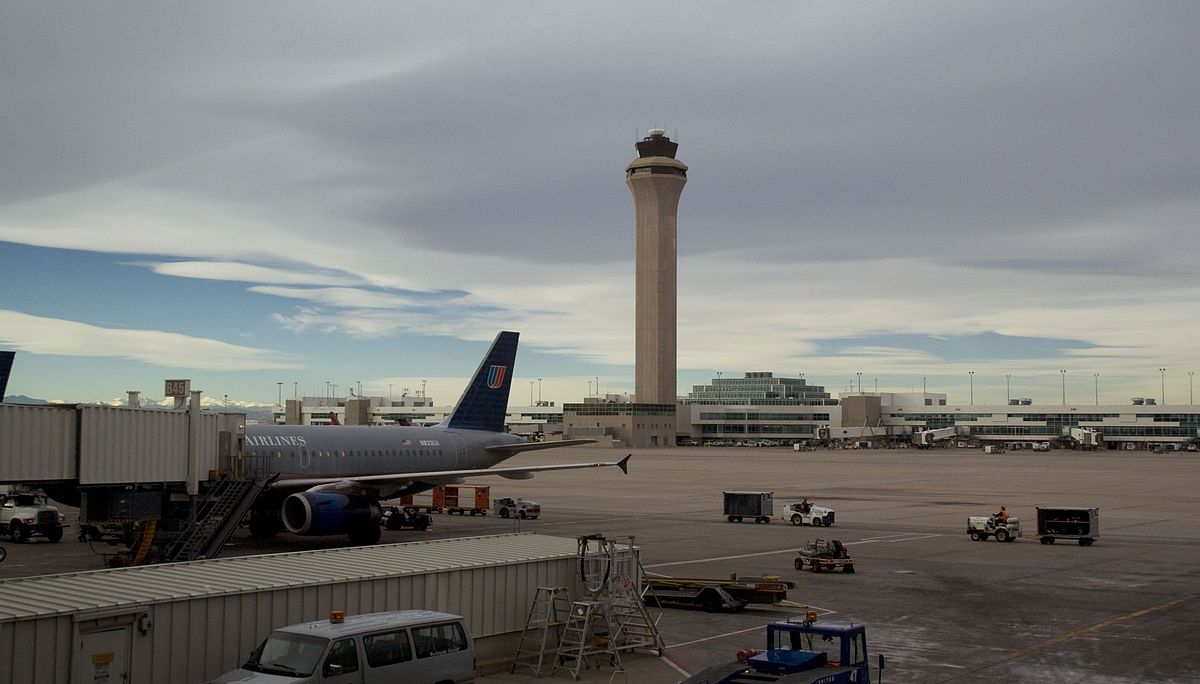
800,651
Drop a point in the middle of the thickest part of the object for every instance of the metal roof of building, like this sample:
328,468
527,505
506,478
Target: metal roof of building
23,598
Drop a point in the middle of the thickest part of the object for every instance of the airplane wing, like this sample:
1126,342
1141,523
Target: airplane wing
511,449
398,481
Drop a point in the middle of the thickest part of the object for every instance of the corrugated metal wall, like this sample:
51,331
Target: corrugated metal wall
37,443
195,638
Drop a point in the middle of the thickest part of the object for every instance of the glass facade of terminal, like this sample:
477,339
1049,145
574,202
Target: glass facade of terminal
758,406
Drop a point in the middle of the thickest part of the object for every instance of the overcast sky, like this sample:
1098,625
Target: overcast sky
248,194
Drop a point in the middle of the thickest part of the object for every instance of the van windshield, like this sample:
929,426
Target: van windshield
287,654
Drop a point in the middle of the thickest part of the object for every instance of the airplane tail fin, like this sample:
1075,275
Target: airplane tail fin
484,404
6,363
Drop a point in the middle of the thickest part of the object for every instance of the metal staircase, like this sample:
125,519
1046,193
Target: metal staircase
587,635
213,519
548,614
614,619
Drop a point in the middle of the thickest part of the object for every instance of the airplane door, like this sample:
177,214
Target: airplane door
458,446
103,657
305,457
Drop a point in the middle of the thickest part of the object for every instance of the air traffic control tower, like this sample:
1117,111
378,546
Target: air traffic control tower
656,179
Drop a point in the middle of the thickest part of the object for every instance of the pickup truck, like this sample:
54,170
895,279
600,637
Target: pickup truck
23,515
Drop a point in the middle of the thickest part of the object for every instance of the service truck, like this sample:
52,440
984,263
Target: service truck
508,507
25,514
800,651
980,527
807,514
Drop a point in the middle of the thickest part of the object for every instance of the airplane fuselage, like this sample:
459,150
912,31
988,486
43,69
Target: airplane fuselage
301,452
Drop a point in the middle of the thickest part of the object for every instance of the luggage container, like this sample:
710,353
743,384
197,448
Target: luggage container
1068,522
757,505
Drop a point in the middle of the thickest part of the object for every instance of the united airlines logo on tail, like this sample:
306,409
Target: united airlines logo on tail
496,376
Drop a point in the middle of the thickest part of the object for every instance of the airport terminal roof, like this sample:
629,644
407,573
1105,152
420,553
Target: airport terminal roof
24,598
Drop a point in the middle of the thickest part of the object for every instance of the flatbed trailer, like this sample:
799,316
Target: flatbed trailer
714,595
825,555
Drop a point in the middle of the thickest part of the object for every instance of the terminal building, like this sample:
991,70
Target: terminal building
761,407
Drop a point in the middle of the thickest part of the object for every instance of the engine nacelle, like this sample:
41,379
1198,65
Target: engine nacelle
317,513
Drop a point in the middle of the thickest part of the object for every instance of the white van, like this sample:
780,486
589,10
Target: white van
410,646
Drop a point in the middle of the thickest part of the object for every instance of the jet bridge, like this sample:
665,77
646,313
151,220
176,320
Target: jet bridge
177,472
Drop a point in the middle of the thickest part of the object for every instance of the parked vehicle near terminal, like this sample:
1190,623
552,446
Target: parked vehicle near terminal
411,646
1068,522
757,505
26,514
396,518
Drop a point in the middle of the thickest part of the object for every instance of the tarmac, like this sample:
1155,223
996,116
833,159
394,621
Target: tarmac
941,607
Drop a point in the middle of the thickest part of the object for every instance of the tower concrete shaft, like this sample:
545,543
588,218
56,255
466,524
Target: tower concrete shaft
656,180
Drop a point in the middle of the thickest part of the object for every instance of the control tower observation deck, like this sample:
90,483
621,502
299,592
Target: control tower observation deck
656,180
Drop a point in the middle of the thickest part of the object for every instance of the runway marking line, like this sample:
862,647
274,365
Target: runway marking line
821,611
905,536
1090,629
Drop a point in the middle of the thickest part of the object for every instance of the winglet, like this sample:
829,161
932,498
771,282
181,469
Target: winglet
624,464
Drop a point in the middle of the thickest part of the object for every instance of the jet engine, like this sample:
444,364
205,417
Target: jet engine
317,513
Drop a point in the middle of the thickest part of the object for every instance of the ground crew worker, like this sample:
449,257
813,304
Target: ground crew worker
1002,516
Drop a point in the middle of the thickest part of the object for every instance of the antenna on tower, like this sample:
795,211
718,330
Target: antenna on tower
676,134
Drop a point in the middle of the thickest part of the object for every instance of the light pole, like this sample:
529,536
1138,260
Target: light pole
423,381
859,374
923,385
280,384
1008,388
389,391
360,388
531,393
1162,378
589,382
226,402
597,385
539,391
1097,376
295,389
1191,397
876,385
972,375
719,387
1064,379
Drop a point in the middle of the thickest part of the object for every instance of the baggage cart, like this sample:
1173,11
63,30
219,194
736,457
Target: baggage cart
757,505
1068,522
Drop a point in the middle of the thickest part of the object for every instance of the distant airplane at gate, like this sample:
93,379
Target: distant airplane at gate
330,480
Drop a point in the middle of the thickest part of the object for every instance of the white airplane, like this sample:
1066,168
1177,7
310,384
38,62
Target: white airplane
329,480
